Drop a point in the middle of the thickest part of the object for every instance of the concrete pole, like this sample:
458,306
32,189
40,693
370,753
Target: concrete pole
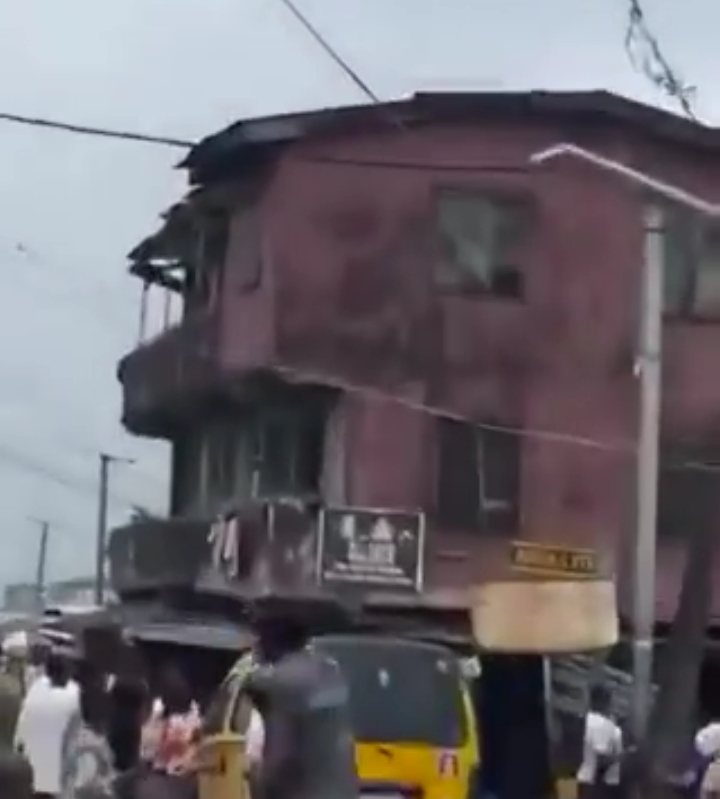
101,536
649,369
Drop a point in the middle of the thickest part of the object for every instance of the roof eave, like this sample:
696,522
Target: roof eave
243,141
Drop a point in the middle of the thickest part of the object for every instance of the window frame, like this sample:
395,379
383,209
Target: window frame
488,509
291,419
522,205
696,252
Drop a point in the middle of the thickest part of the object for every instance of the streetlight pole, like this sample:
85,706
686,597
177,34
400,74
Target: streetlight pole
649,370
101,538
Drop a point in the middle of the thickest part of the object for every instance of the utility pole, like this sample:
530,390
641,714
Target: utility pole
41,565
101,540
648,367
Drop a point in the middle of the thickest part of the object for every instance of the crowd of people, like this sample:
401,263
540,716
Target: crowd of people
72,731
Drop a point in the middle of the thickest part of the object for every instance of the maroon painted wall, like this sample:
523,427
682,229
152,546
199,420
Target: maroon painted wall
347,295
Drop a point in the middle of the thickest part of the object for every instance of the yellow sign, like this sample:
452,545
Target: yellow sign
551,561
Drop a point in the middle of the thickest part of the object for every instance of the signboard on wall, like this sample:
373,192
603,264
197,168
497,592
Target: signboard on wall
552,561
371,549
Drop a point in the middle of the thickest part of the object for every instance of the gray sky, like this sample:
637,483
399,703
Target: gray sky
185,68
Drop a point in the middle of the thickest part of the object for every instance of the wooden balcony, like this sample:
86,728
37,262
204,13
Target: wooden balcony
164,375
270,553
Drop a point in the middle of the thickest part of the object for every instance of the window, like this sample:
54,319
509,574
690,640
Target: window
382,674
288,452
207,263
478,477
215,238
687,498
187,471
223,458
276,451
692,267
245,250
480,238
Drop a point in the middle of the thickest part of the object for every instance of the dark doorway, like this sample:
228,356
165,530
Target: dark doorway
510,705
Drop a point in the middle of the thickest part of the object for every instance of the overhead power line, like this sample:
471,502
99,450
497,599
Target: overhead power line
533,434
31,466
177,142
331,51
90,130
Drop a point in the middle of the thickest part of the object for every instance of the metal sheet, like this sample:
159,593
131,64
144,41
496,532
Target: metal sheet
207,636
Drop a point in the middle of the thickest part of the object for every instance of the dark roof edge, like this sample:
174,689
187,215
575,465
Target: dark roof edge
258,135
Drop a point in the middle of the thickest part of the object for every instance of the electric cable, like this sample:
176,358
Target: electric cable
331,52
26,463
534,434
91,130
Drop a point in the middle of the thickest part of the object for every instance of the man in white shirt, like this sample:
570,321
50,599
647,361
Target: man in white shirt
48,709
707,744
599,772
254,739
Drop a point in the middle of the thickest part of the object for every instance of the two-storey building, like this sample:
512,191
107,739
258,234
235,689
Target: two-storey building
389,308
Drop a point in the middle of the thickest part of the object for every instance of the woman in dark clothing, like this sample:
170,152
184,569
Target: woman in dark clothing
88,771
128,699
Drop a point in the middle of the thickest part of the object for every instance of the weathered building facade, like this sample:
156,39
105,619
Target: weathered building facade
390,308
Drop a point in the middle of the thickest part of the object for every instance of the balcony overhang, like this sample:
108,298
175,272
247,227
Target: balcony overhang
287,551
163,375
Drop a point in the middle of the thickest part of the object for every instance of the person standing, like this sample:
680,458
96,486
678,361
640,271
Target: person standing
308,750
16,777
707,746
169,741
48,710
599,773
88,771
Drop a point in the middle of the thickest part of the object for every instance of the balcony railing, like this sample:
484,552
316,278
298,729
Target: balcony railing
271,551
157,554
167,369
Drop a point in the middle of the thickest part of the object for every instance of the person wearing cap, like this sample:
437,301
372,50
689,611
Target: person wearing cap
308,747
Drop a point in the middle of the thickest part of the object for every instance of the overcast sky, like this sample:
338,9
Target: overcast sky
73,206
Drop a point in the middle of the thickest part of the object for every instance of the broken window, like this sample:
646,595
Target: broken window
480,239
478,477
692,267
